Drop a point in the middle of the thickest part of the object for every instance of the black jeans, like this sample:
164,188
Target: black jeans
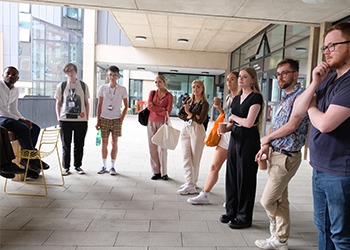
80,129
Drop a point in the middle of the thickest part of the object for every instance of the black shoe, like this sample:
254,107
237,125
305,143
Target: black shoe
32,174
45,165
238,224
165,177
9,176
32,166
12,168
156,176
224,218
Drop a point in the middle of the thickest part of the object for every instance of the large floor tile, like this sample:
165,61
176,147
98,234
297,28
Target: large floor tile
111,225
67,238
148,239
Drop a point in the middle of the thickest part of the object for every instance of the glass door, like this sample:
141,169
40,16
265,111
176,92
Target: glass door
135,94
272,95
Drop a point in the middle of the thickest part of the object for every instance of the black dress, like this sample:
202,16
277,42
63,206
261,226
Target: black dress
241,166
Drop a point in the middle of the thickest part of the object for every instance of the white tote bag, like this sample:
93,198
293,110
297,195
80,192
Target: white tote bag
166,136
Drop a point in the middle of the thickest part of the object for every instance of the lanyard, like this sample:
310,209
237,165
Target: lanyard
111,96
194,106
72,91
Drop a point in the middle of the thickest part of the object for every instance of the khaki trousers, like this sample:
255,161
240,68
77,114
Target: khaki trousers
192,144
281,170
158,155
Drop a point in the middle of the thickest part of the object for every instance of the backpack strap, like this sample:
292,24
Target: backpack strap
83,87
63,87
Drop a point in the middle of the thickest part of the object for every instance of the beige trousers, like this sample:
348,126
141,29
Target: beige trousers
275,196
192,144
158,155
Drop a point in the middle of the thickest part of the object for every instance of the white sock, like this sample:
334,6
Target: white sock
104,162
112,163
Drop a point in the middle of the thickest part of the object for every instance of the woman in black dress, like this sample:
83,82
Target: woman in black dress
245,121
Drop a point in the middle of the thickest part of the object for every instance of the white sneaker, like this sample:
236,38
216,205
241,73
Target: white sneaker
271,243
186,184
202,198
188,189
65,171
272,228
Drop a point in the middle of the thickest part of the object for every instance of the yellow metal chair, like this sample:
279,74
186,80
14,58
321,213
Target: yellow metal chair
48,144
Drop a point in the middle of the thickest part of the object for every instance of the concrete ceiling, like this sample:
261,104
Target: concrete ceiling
213,26
208,25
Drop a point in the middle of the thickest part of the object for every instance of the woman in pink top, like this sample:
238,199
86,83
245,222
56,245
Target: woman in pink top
159,102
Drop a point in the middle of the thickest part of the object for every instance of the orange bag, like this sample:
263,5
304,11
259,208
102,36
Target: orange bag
213,138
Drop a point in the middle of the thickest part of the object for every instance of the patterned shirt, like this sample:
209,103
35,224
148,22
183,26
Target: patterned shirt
295,140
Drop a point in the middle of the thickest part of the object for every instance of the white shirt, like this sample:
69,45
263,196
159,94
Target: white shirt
9,102
113,97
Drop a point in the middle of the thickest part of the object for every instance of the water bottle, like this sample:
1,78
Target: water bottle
98,138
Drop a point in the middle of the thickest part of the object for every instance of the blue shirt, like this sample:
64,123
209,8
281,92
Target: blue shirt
228,108
295,140
330,152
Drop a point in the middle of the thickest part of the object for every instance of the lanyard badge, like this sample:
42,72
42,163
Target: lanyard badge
111,97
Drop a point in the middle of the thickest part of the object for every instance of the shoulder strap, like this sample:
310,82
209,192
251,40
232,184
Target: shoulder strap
63,87
83,87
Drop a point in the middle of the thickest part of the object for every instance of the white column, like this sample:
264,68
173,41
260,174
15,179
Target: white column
89,55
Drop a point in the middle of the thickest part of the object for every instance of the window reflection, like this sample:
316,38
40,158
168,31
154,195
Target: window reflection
53,47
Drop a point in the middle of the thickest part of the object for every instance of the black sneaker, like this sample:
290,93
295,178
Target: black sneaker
79,170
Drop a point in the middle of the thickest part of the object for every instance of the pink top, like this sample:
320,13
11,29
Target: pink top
157,112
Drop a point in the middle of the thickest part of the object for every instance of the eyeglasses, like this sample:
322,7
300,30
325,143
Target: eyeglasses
331,46
70,71
283,74
112,75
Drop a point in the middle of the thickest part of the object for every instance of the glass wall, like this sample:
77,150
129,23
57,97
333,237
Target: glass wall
72,19
24,50
52,47
276,42
179,84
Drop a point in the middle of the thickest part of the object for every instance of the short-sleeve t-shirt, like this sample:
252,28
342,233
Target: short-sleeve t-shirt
112,101
73,105
330,152
242,110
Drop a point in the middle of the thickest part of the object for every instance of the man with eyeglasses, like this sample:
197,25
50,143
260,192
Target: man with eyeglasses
327,102
72,110
282,145
110,118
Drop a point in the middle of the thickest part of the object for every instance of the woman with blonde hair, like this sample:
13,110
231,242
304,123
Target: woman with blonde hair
194,112
245,120
220,153
159,102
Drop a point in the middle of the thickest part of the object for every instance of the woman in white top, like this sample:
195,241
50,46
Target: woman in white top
220,153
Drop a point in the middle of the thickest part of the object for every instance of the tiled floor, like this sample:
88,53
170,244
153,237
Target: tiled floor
130,211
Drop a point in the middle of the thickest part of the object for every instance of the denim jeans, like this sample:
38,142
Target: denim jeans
332,210
27,138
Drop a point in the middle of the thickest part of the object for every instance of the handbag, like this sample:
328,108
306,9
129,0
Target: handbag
166,137
144,114
213,138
